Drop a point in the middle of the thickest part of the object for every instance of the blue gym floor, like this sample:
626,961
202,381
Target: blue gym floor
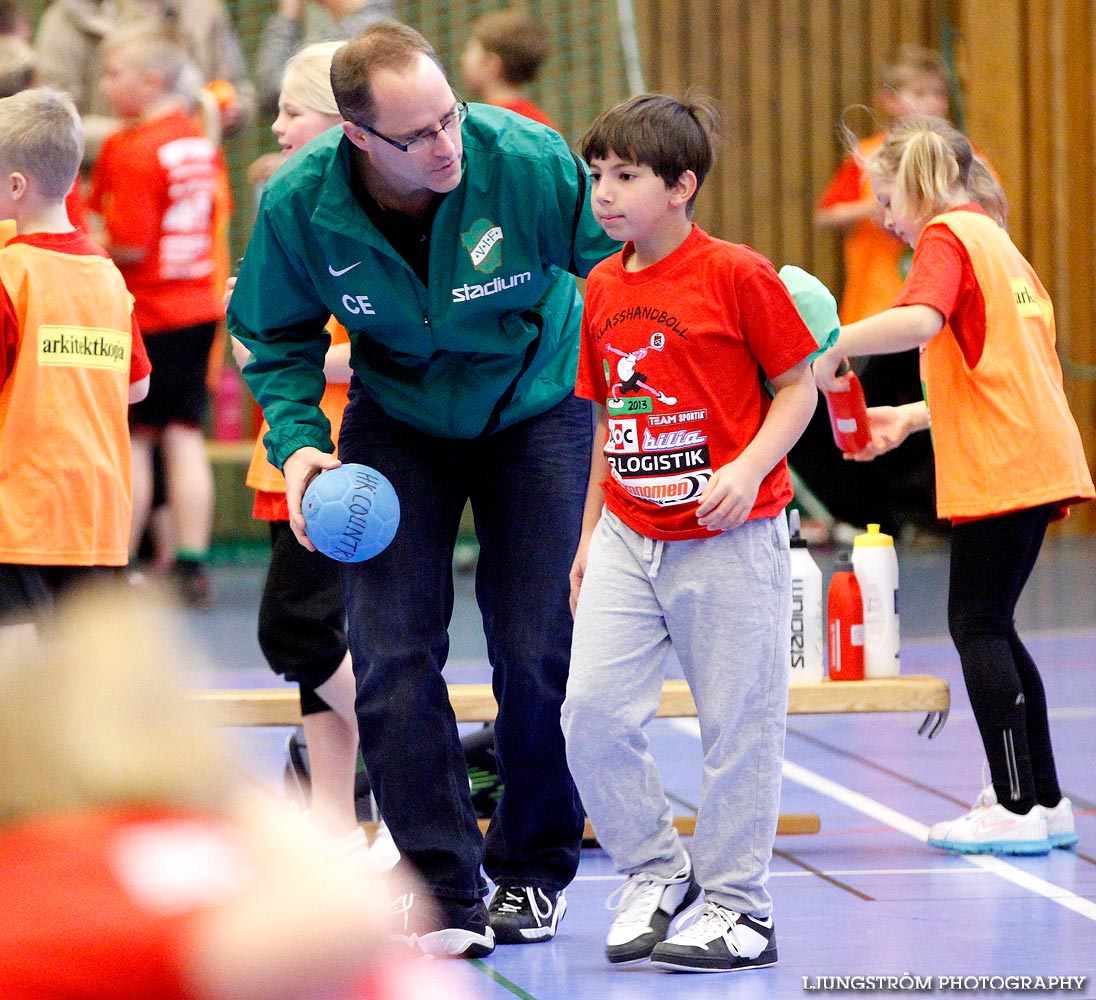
865,896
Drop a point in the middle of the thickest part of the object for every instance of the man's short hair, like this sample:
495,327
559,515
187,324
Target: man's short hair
517,38
386,45
41,136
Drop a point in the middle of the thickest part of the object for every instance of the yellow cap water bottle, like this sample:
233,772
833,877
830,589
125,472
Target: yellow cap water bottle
876,566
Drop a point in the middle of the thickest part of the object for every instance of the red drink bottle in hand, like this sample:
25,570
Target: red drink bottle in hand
849,415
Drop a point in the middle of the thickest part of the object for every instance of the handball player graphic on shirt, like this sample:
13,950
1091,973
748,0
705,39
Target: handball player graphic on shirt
653,456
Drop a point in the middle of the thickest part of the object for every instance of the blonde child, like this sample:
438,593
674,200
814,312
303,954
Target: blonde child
71,362
136,863
1009,457
684,543
302,617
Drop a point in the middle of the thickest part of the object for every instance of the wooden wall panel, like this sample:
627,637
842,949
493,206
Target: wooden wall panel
1028,74
783,72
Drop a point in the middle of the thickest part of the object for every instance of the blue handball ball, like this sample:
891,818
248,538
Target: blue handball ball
351,513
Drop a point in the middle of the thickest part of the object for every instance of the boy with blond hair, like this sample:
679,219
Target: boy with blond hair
71,362
155,184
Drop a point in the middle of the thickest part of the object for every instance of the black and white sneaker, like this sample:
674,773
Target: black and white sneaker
718,940
646,906
443,928
520,914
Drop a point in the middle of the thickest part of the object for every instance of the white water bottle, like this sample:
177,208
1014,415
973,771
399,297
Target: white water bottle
807,636
876,566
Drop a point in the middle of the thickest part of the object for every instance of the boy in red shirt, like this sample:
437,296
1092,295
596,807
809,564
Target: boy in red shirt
503,57
684,543
154,183
71,362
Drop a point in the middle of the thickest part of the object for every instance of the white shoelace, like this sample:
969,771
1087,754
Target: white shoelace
711,921
401,905
639,897
511,902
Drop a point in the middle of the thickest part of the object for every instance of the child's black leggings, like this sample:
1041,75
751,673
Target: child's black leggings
991,560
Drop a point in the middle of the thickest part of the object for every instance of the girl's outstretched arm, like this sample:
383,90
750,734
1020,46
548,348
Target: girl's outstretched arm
889,332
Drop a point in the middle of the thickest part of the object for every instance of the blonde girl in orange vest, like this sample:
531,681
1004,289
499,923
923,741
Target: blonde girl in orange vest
302,616
1009,457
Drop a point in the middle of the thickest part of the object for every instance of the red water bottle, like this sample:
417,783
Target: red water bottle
845,618
849,415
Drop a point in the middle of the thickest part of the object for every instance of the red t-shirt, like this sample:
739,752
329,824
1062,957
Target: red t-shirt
155,185
942,276
677,354
100,904
523,106
875,259
74,205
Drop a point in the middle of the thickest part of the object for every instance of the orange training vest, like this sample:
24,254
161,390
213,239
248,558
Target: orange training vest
65,492
1003,434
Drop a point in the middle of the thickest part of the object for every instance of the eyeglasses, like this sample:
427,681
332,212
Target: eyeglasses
427,137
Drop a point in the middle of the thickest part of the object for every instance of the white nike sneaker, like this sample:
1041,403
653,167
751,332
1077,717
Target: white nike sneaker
1061,830
992,829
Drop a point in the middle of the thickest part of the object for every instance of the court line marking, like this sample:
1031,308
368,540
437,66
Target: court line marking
860,872
919,831
507,984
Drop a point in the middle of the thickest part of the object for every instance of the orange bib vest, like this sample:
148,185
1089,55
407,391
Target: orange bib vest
266,478
65,492
1003,434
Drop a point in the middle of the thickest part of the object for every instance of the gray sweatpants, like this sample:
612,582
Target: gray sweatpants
723,604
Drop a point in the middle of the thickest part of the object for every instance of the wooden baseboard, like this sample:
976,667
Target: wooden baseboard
789,824
476,702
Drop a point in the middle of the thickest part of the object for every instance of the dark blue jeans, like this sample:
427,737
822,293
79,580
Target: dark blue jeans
527,486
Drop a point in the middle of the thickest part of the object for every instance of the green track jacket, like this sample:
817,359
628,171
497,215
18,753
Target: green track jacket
493,338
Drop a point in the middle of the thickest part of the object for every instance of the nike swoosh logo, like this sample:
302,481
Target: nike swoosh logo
342,271
986,825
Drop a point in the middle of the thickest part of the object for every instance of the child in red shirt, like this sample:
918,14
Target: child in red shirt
897,492
503,57
684,542
154,184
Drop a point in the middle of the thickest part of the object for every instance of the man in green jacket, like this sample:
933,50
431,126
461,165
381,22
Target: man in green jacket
444,237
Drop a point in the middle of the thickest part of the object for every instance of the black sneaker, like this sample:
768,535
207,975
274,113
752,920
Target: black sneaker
520,913
719,940
646,906
443,928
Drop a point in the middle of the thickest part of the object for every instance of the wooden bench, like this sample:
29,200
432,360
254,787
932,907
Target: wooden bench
476,703
230,452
